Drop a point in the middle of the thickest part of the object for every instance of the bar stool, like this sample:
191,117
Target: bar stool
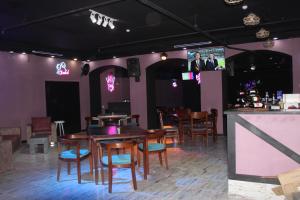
60,125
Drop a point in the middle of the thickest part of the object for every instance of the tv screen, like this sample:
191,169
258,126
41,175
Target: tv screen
211,59
187,76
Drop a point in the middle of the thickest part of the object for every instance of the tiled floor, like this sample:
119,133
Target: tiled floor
195,172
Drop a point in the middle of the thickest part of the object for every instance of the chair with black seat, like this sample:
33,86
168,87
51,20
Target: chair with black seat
159,146
183,115
198,125
125,160
69,150
171,130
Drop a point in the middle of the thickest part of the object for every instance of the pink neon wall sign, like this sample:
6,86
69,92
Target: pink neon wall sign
110,81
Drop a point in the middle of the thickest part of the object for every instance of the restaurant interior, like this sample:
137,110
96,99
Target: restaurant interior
149,99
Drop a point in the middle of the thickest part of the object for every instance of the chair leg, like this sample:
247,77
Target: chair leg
206,136
102,174
133,176
69,168
166,159
58,169
109,179
91,164
138,158
160,158
79,171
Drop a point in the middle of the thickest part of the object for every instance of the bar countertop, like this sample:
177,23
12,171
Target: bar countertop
260,111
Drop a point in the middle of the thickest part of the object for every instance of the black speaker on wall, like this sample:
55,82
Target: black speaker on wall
133,67
85,69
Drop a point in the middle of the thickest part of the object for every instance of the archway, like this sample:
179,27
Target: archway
160,75
271,72
96,98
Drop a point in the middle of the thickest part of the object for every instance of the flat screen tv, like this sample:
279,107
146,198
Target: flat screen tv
187,76
211,59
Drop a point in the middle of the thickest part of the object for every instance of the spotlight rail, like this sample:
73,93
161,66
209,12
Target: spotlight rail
98,18
47,53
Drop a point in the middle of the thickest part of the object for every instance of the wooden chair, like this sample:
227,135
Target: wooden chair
158,147
41,125
117,160
69,150
171,130
183,121
199,125
212,123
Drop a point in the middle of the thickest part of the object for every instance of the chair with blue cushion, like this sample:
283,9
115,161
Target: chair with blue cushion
69,150
159,146
125,160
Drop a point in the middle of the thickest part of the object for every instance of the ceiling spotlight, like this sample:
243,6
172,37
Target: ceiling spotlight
75,59
52,56
153,52
105,22
233,2
114,57
262,33
275,38
93,17
127,30
253,67
111,25
24,53
251,20
87,60
184,48
99,21
245,7
11,52
163,56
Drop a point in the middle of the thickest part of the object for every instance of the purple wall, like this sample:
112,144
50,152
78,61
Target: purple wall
22,87
120,93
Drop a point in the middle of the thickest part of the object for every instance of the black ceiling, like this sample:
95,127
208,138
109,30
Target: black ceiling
65,27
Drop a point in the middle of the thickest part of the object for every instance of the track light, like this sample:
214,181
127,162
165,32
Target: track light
163,56
111,25
105,22
100,19
93,17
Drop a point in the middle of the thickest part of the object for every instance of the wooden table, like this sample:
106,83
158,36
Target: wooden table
100,118
116,132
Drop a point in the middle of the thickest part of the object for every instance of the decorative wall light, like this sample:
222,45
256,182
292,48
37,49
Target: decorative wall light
251,20
262,33
163,56
198,78
98,18
110,81
174,83
62,69
233,2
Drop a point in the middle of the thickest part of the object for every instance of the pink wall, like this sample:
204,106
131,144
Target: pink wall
22,87
251,150
120,93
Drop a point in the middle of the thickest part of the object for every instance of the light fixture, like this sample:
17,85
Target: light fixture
275,38
52,56
153,52
87,60
174,83
47,53
163,56
262,33
184,48
111,25
23,53
100,19
245,7
251,20
11,52
128,30
192,44
93,17
233,2
75,59
114,57
252,67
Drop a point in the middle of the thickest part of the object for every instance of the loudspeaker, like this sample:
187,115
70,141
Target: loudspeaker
133,67
85,69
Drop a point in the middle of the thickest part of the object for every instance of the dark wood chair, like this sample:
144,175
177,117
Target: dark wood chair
183,115
117,160
198,126
41,125
212,123
159,146
171,130
69,150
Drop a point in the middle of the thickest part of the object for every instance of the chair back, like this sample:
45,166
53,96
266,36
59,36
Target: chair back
214,113
73,141
160,115
137,119
41,124
118,146
183,114
156,134
199,118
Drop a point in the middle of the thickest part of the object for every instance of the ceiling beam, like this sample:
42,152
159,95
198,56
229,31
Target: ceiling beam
58,15
185,23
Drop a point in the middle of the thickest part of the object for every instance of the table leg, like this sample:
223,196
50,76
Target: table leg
146,159
95,154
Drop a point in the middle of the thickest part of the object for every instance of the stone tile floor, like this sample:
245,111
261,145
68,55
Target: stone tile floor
195,172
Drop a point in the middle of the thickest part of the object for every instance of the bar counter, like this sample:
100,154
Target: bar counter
262,144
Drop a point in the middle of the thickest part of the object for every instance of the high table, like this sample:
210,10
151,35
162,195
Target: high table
117,133
100,118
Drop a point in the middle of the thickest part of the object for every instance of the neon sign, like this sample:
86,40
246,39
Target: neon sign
110,81
61,69
198,78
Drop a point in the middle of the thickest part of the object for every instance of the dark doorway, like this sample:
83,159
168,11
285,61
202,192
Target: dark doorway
63,103
161,94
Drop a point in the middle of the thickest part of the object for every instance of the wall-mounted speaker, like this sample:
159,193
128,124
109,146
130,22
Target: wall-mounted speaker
85,69
133,67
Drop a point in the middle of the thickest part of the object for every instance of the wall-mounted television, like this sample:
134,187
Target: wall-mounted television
187,76
211,59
